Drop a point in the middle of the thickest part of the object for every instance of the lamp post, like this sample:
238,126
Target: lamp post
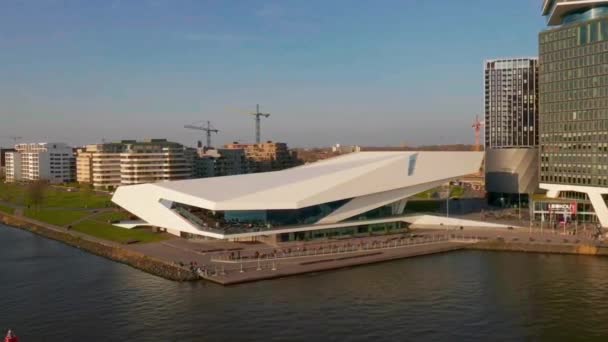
519,204
447,201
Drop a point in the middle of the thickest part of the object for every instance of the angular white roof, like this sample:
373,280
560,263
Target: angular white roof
348,176
368,179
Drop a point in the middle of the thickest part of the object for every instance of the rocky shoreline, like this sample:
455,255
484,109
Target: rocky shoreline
107,250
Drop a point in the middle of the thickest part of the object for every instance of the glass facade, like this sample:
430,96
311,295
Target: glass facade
412,164
308,215
570,206
586,14
356,231
574,104
244,221
378,213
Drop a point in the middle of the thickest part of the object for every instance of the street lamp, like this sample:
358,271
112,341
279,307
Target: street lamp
447,201
519,204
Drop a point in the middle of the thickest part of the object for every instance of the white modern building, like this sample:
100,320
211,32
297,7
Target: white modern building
52,162
357,193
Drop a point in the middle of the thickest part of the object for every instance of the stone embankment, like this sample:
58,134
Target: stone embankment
112,251
157,258
580,249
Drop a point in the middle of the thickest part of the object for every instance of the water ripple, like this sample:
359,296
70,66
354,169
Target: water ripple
52,292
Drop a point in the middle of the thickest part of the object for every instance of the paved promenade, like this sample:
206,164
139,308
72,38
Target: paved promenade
231,262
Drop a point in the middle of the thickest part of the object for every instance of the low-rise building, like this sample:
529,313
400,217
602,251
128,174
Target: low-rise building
268,156
52,162
358,194
220,162
127,162
99,165
3,152
341,149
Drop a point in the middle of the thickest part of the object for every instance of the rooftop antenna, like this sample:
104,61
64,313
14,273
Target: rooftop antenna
257,115
208,130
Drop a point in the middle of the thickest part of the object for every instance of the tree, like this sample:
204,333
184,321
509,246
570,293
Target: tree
86,194
35,193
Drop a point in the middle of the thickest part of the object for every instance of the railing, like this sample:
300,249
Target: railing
224,264
336,248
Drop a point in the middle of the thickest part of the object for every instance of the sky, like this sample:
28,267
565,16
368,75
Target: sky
385,72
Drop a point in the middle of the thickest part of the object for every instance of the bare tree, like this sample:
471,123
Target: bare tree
35,193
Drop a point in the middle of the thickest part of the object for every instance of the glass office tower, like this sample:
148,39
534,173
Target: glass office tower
573,103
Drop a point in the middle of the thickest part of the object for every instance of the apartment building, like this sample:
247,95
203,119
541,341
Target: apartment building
52,162
511,127
128,162
220,162
99,165
3,152
268,156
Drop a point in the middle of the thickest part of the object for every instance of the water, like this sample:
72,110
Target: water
51,292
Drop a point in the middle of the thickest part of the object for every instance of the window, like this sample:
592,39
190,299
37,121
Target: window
604,29
412,164
594,32
582,35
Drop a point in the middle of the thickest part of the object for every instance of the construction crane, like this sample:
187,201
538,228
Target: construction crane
258,115
208,130
477,125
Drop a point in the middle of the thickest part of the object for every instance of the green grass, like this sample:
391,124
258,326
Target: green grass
56,217
456,191
426,194
109,232
7,210
12,193
112,216
76,199
54,198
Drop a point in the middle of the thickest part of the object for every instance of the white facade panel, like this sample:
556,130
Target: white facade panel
364,180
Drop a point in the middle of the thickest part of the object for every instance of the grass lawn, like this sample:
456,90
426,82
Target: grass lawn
54,198
77,199
13,193
56,217
109,232
112,216
7,210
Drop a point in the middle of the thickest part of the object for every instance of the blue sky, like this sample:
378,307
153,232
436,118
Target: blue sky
381,72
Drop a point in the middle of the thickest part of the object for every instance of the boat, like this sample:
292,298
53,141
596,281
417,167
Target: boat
11,337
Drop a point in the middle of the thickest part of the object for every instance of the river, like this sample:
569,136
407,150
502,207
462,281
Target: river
52,292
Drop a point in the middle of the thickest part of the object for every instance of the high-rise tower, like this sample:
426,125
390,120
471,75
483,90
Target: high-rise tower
511,127
511,102
573,101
